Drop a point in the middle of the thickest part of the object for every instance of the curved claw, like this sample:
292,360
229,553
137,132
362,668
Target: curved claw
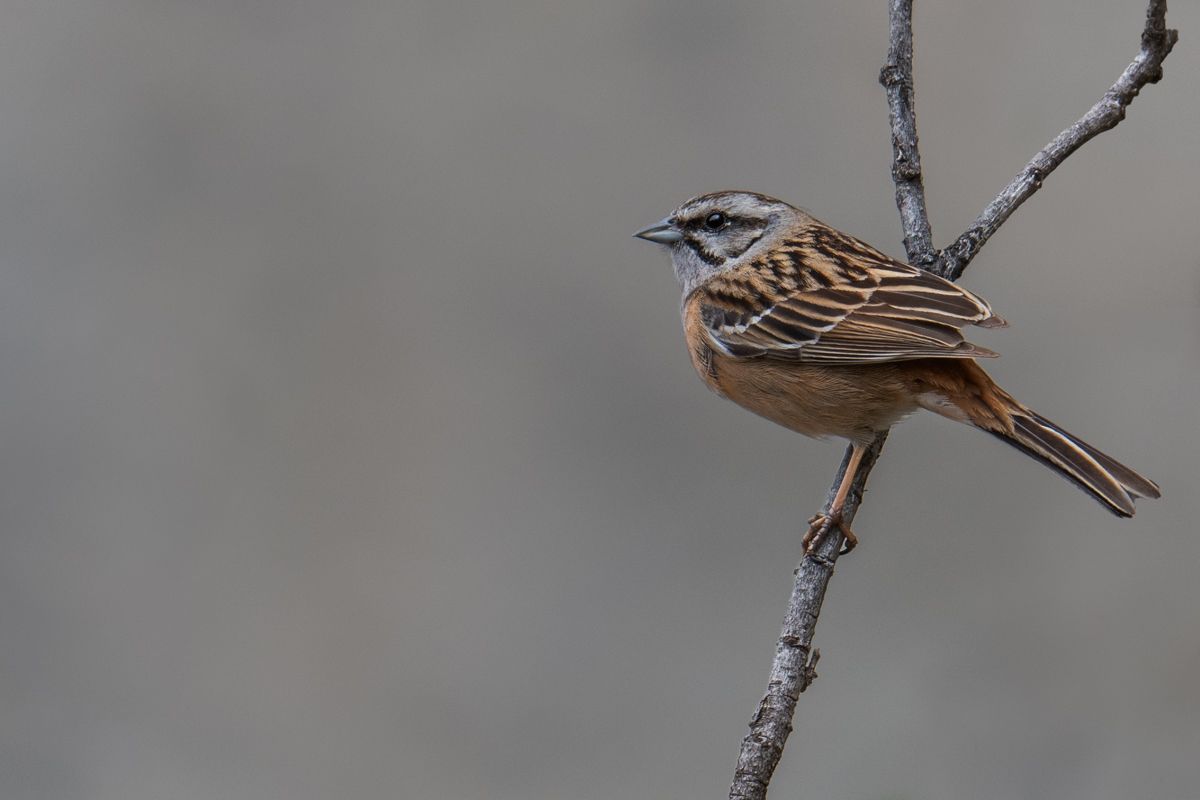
819,526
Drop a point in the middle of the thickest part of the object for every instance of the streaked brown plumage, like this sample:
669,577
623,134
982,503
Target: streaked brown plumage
823,334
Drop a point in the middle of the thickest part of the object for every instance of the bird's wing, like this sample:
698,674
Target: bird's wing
827,297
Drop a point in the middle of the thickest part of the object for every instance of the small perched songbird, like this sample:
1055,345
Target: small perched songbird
825,335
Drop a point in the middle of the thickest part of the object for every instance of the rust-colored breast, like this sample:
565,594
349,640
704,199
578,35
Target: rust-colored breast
851,401
704,358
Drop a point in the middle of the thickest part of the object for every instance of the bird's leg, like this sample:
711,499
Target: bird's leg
820,524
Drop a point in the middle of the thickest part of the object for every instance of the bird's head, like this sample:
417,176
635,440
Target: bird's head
717,232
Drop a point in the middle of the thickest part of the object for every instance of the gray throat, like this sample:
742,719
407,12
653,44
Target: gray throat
690,269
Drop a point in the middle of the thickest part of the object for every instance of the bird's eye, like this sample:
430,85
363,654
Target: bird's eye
715,221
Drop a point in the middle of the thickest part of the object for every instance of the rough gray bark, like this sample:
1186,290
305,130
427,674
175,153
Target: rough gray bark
1157,41
897,80
795,658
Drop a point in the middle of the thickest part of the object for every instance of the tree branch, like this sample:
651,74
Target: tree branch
1157,42
795,658
897,79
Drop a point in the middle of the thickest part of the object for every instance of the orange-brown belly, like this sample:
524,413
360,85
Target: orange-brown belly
854,402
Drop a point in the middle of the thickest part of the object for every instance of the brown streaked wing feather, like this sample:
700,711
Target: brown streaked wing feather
828,297
907,292
866,339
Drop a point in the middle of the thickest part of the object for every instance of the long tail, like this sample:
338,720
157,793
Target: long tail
1103,477
975,399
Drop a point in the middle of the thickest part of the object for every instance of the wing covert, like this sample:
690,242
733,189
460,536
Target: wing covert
830,298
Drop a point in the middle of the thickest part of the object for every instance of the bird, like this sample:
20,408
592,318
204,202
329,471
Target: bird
823,334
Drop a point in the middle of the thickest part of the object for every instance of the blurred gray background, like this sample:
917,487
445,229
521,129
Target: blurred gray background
351,449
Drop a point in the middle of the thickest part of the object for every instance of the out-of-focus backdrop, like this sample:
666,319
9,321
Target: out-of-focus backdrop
350,448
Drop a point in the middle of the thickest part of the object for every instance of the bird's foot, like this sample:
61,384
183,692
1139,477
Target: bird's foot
820,525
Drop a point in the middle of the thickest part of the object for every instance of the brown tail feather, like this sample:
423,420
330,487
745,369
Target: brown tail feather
1134,483
1107,480
962,391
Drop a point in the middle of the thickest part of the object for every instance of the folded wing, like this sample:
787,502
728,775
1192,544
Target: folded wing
830,298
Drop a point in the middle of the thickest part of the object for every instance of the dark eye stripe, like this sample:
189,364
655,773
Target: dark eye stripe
704,254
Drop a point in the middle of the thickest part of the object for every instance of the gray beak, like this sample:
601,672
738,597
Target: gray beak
661,233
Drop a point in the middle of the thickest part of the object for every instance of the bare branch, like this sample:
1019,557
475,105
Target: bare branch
793,668
897,79
795,659
1157,41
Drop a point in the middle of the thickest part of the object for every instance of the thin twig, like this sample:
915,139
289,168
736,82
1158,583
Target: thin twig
792,670
896,77
1157,41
